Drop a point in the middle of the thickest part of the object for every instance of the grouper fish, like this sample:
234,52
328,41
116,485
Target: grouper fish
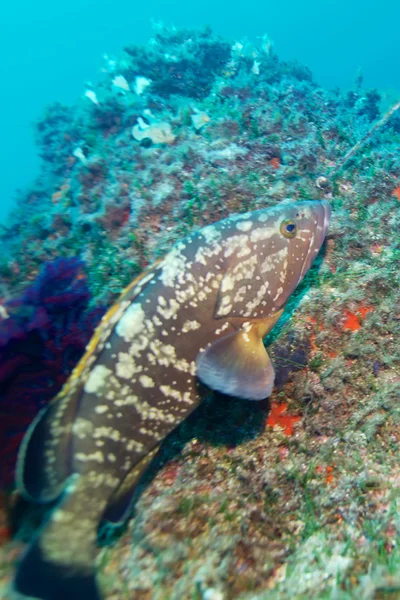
198,315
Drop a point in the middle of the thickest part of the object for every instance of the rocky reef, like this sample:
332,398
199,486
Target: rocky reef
292,498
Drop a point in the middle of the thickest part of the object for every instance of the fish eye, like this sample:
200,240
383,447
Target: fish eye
288,228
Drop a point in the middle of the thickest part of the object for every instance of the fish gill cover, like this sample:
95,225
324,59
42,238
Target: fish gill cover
176,135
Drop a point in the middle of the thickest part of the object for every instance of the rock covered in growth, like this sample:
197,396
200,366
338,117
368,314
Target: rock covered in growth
261,131
179,62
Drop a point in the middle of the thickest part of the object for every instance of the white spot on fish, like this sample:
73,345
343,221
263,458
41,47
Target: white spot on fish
174,266
256,301
244,252
190,326
146,381
210,234
134,445
97,379
244,225
221,329
95,456
234,242
240,294
169,391
278,293
262,233
224,310
61,515
108,433
131,323
82,428
228,283
169,312
125,366
182,365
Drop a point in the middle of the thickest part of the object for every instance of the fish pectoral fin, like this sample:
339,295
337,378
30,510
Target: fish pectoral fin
118,507
238,365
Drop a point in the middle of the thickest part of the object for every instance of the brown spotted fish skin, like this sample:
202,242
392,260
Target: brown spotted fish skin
200,313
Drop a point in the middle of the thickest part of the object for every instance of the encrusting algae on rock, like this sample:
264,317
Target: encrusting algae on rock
203,310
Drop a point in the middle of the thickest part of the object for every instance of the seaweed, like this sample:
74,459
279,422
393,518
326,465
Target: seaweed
43,333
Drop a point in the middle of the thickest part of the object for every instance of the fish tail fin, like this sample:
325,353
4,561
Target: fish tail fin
42,578
60,562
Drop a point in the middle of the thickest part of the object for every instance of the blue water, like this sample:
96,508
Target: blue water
49,49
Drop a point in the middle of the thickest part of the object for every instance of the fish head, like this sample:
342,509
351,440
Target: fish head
294,233
300,230
264,256
274,253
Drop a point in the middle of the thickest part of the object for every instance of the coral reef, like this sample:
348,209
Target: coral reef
303,502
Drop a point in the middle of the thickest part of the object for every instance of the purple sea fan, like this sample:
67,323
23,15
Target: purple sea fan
43,333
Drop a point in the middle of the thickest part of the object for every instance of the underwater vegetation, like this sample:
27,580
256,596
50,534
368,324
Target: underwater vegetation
244,502
43,333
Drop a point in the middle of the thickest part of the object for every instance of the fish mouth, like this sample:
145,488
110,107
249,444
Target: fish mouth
323,214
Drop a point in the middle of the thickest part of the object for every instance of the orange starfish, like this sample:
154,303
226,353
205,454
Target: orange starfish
396,192
278,416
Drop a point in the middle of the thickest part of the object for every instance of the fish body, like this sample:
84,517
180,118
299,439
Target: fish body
199,314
